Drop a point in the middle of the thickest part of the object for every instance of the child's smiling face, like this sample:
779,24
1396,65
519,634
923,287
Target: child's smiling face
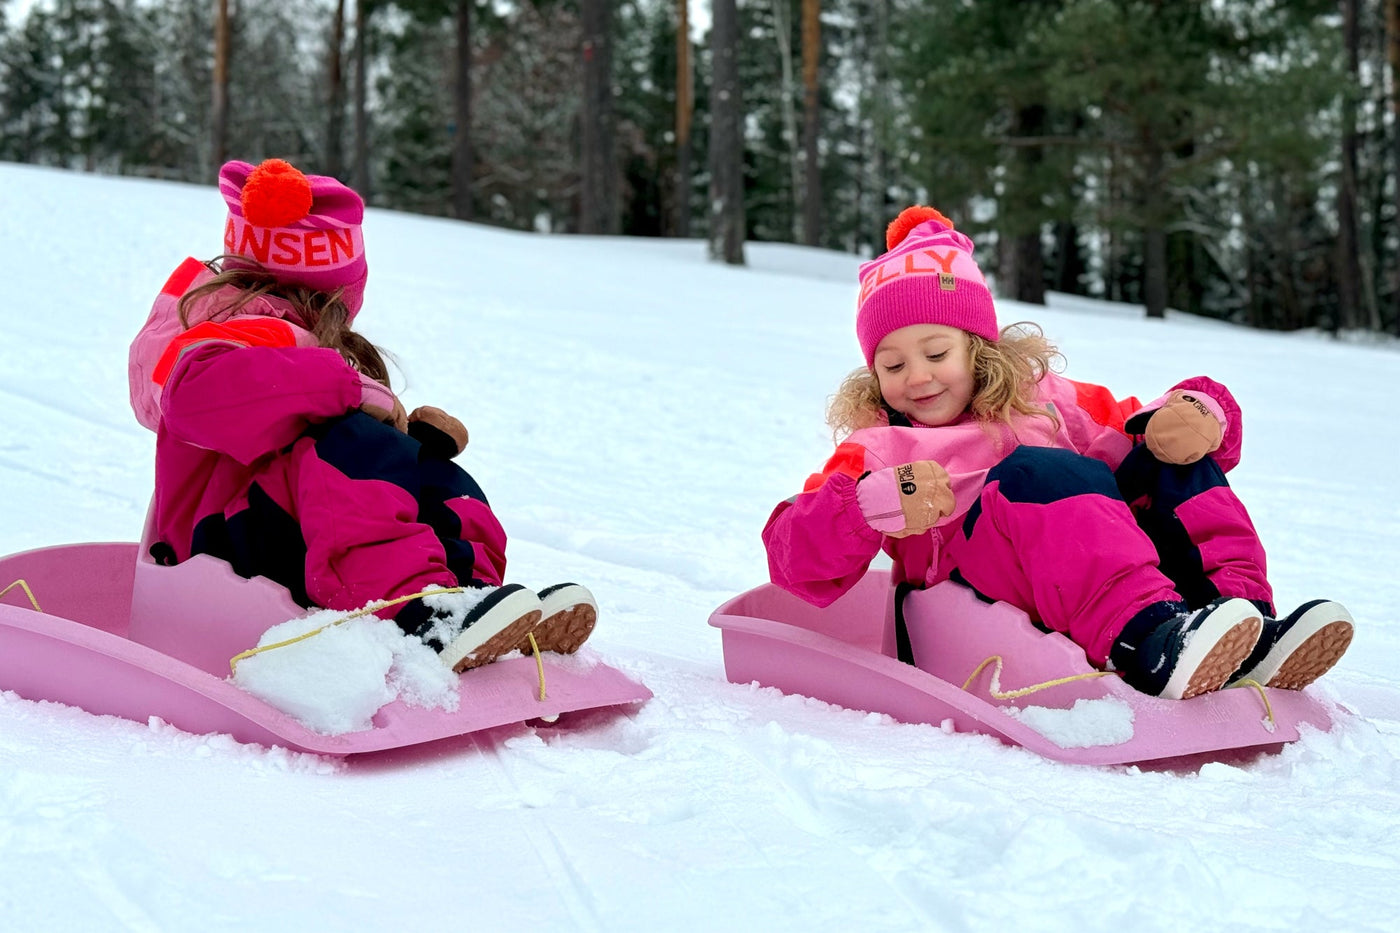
925,372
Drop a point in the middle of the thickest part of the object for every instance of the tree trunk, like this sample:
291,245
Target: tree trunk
811,121
361,169
883,161
1154,269
782,33
685,104
1348,262
219,112
1030,268
1154,235
1069,264
1392,29
1027,279
335,98
462,133
727,223
598,211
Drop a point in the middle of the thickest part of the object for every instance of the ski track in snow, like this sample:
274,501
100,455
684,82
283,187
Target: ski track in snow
635,413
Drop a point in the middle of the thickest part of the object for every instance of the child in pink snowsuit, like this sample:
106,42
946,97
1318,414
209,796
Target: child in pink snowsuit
281,449
1111,522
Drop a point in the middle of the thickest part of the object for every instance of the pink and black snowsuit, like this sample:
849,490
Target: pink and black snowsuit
264,460
1041,519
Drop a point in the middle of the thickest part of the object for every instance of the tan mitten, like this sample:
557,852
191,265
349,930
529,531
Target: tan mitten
904,500
454,431
1184,429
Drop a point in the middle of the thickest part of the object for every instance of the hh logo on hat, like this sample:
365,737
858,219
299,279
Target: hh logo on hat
911,264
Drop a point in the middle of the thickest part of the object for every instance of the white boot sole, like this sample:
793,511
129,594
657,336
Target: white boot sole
1215,650
570,613
497,631
1307,650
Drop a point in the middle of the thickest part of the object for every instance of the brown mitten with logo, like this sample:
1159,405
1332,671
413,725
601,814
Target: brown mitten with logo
1187,427
440,434
905,500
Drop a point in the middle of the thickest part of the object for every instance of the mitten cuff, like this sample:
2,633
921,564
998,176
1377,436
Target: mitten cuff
375,394
878,496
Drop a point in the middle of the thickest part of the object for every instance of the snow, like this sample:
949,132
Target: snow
333,672
635,412
1105,721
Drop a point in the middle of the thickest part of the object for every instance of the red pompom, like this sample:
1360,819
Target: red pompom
908,219
276,194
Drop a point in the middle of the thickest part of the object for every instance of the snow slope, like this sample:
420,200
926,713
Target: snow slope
635,412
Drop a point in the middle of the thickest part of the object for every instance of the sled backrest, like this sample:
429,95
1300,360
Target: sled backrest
88,583
200,611
863,616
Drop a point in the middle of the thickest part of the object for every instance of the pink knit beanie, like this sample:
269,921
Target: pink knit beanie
304,229
928,276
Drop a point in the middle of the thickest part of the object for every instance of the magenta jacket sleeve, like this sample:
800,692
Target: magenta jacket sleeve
246,402
818,543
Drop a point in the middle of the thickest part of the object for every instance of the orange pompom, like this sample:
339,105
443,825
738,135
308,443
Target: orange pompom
276,194
908,219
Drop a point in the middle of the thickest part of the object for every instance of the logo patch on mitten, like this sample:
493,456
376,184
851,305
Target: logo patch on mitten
904,475
1199,405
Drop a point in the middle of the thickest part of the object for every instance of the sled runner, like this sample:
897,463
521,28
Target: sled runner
126,637
986,668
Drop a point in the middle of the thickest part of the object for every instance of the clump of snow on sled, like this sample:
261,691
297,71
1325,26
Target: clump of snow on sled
1087,723
333,674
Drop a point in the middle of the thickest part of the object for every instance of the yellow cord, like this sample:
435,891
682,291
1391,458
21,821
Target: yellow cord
367,610
1259,688
996,690
27,592
539,665
997,693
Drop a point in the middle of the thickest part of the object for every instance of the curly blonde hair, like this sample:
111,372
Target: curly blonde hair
1005,374
322,313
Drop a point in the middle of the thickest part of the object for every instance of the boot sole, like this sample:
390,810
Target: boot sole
1239,627
501,621
1295,669
565,632
1314,657
504,642
570,615
1315,643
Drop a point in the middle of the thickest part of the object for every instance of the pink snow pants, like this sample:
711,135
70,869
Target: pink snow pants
1052,534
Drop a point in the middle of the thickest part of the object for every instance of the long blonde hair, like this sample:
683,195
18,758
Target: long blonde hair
1005,374
322,313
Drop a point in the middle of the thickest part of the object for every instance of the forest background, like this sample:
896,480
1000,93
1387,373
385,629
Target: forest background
1235,159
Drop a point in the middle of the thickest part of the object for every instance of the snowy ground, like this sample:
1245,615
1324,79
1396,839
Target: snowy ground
635,412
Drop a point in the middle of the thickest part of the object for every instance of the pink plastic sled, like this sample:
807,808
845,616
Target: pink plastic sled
1024,686
129,638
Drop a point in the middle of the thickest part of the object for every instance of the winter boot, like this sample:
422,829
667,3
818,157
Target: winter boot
1169,651
471,629
570,613
1299,648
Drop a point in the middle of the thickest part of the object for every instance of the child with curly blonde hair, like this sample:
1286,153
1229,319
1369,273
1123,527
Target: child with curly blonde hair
965,457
